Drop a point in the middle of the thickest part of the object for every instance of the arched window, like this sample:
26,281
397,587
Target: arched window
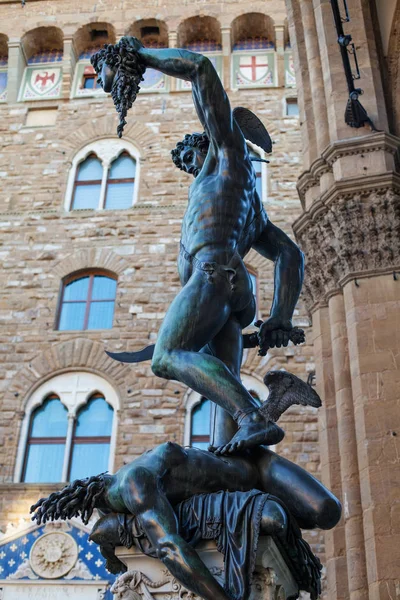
120,182
200,425
103,175
253,43
87,40
91,439
69,429
201,34
87,302
47,437
153,33
88,180
43,49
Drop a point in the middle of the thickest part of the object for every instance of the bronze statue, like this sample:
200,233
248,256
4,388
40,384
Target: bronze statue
149,487
152,500
200,341
152,486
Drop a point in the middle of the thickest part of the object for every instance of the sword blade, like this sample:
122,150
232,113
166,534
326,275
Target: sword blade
133,357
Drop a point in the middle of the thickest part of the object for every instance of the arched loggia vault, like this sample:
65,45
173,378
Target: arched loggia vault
92,36
196,29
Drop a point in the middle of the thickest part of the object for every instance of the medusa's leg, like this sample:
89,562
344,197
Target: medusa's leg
307,499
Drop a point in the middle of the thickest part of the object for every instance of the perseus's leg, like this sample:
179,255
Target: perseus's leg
195,317
307,499
227,346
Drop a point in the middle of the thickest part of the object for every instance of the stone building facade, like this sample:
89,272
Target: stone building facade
53,119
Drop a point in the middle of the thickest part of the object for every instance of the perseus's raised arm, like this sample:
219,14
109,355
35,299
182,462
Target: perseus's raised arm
210,99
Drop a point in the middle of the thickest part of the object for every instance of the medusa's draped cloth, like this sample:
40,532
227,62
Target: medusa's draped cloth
233,520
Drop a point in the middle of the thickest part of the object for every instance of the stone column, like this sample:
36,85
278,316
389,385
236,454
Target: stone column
350,238
316,78
336,92
296,32
280,54
172,39
335,545
172,43
352,509
373,325
16,66
69,62
226,56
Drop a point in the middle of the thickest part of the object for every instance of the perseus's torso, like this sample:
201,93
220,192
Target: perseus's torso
224,214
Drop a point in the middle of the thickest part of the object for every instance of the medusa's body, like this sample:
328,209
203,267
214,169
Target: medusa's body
150,486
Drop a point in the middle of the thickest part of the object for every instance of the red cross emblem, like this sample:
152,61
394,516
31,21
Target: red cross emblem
254,67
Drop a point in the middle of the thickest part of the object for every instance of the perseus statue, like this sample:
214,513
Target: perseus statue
200,340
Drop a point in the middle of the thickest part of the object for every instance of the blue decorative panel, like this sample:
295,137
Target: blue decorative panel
89,52
47,56
153,81
85,81
204,46
31,557
256,43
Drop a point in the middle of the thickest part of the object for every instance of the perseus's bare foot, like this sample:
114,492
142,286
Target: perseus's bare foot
254,430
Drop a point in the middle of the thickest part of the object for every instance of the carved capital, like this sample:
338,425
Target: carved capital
349,234
354,147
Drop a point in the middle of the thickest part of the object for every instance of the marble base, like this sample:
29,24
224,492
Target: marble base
148,579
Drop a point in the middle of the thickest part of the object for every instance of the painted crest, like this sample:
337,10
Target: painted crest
254,68
43,82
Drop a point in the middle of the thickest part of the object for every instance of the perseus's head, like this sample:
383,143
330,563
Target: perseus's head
189,154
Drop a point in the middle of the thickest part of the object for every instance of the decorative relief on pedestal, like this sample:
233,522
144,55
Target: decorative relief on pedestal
135,585
53,555
353,234
24,570
265,586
